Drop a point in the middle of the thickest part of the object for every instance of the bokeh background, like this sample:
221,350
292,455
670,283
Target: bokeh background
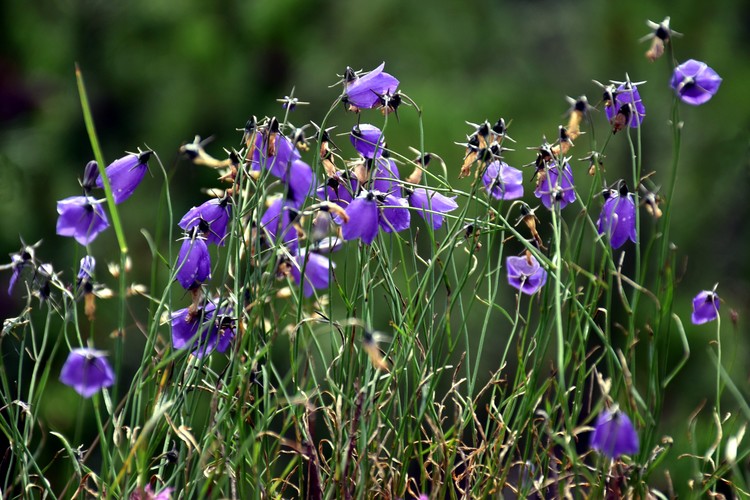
160,72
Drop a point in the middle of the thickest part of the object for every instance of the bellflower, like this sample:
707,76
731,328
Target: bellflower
193,262
86,269
277,222
502,181
298,177
205,330
525,273
87,371
276,158
125,174
371,210
694,82
368,140
705,307
385,178
556,189
148,493
431,205
339,189
211,218
627,105
614,434
317,270
81,217
362,92
617,218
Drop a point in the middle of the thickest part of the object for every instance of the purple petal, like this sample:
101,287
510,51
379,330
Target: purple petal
386,177
87,371
502,181
555,188
317,271
368,140
705,307
525,274
193,263
617,219
695,82
277,222
614,435
212,218
363,219
363,91
125,174
82,218
431,205
394,214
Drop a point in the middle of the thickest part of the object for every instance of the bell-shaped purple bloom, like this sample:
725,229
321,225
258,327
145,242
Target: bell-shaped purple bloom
363,218
277,222
614,434
81,217
17,263
148,493
431,205
525,273
316,270
363,92
86,269
125,174
695,82
394,213
385,178
193,262
273,152
627,103
87,371
705,307
502,181
205,331
298,177
368,140
555,188
339,189
90,176
211,218
617,219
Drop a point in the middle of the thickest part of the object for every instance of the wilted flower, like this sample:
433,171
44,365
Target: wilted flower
623,105
614,434
363,92
374,209
502,181
211,218
87,371
204,330
193,262
554,188
431,205
368,140
525,273
125,174
316,270
617,218
705,307
660,35
81,217
695,82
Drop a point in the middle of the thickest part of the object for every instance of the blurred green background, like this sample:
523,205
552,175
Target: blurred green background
160,72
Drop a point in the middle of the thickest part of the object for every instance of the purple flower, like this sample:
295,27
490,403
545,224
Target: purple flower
298,177
277,222
386,177
273,152
705,307
368,140
431,205
364,92
81,217
372,210
211,218
502,181
623,105
617,218
86,270
317,270
555,189
90,176
363,218
17,263
525,273
694,82
339,189
205,330
193,262
86,370
125,174
614,434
